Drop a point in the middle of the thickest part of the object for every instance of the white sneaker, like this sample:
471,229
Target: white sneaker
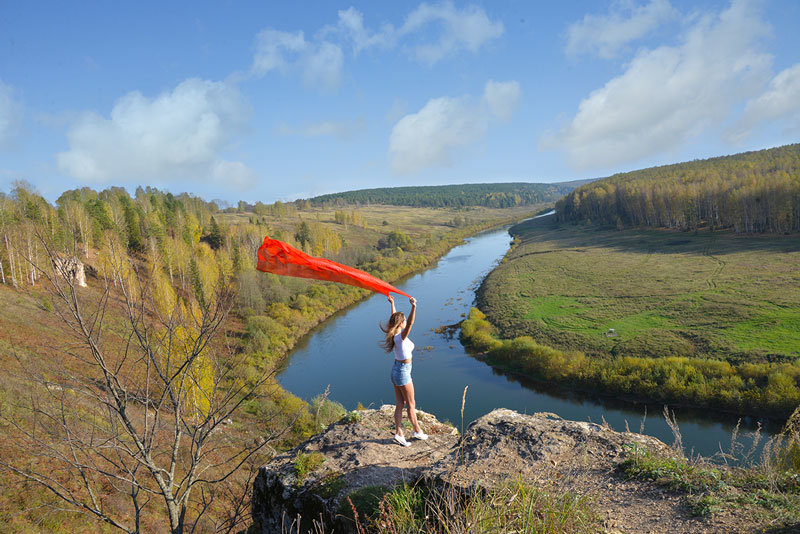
401,440
419,435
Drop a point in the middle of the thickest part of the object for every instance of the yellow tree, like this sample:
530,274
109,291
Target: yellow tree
140,401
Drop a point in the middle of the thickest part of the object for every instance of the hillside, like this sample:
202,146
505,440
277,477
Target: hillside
502,195
170,282
752,192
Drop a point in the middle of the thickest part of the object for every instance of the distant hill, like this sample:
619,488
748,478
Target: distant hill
752,192
501,195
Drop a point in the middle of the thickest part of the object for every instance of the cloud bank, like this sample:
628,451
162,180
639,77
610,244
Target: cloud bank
670,94
177,135
429,137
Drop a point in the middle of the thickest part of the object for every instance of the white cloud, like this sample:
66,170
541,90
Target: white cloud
10,116
177,135
320,59
233,173
429,137
605,35
468,28
351,24
320,63
271,46
502,98
670,94
338,129
781,102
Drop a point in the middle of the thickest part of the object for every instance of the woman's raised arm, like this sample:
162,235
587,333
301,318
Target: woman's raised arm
410,320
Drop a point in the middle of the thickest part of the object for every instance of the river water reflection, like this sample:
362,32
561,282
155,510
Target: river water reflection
343,354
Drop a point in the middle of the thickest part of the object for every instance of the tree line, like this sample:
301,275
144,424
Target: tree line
502,195
771,389
752,192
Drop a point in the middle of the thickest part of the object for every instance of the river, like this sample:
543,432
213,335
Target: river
343,355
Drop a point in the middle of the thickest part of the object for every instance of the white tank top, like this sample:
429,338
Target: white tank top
402,347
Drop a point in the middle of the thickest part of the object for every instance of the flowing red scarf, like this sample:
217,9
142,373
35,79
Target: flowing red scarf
279,258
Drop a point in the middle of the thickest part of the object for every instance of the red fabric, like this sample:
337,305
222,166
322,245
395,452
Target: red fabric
279,258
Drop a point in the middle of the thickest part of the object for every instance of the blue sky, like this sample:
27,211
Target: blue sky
268,100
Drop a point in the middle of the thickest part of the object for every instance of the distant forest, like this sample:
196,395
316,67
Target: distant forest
439,196
752,192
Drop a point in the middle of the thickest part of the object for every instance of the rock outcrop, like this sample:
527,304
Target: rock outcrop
314,480
357,452
357,458
505,443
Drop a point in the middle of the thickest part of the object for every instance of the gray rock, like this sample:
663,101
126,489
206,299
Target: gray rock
357,455
354,455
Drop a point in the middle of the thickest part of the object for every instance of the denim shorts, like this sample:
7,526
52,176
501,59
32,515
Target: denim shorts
401,373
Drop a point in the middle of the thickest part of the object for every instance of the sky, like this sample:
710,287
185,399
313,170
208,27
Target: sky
265,101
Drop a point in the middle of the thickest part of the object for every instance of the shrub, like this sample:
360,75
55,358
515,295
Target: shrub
306,463
326,411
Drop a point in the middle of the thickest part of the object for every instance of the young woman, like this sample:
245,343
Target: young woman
397,341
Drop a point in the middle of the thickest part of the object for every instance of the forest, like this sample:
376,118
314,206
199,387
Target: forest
502,195
748,193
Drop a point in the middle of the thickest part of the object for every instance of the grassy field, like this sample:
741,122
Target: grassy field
664,293
381,219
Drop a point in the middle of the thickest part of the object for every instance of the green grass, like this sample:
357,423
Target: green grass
306,463
775,331
770,493
664,293
365,500
331,485
514,505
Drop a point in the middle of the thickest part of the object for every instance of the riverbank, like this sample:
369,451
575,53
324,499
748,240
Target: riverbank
651,315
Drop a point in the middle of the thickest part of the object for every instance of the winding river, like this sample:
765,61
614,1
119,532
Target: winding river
343,355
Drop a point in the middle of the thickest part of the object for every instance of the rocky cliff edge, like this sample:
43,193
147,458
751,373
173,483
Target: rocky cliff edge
307,488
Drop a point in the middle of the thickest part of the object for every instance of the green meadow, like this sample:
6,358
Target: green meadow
654,293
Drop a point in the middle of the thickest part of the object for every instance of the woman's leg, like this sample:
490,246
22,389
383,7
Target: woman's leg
411,406
398,410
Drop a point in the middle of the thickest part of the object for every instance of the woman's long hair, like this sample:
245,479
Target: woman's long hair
392,328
